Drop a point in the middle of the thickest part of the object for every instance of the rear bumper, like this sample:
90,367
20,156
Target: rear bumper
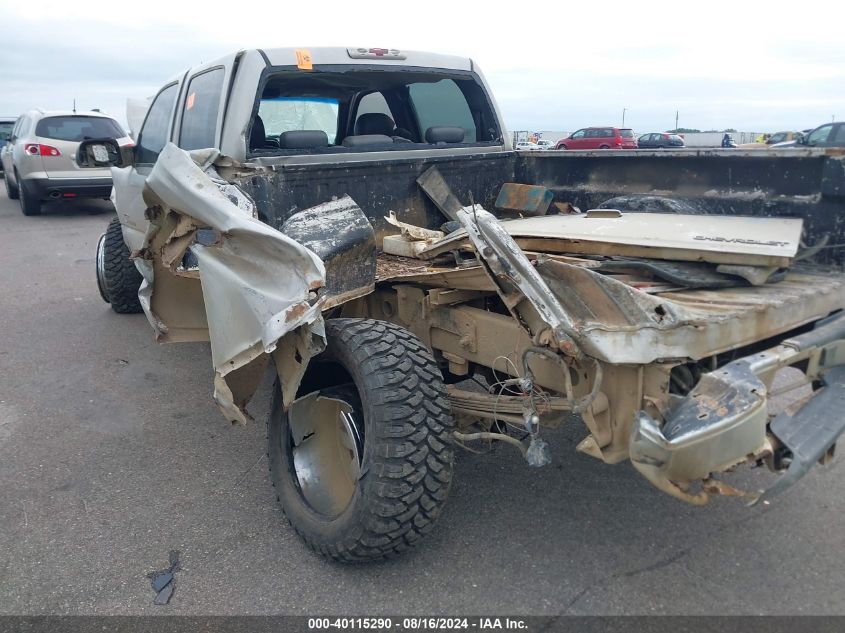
58,188
724,420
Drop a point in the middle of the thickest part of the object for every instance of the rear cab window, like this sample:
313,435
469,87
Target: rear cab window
363,108
77,128
627,133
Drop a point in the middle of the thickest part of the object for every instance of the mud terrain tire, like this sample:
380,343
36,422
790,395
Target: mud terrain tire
118,279
406,455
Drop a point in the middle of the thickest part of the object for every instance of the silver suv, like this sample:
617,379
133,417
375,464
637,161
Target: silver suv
39,160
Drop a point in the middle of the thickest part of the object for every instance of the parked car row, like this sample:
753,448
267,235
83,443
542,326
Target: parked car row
39,156
599,138
827,135
606,138
591,138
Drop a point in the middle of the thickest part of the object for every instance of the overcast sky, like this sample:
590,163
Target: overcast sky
750,66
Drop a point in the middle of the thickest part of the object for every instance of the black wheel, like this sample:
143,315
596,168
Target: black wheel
362,460
30,204
604,147
117,277
563,147
11,190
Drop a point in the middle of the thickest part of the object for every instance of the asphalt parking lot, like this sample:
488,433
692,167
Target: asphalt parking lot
112,454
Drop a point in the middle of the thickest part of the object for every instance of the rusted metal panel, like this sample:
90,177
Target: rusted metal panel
528,200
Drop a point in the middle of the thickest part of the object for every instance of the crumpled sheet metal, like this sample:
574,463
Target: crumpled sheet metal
258,285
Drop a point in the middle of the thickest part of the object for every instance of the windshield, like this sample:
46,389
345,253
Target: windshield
6,130
285,114
77,128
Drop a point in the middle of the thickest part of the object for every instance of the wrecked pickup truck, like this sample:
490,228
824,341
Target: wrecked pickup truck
356,220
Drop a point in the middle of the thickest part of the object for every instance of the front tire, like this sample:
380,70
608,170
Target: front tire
117,278
364,475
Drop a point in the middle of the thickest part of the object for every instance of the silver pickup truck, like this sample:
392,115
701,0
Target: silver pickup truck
355,221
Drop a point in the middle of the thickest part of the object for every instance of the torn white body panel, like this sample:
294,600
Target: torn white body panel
717,239
257,284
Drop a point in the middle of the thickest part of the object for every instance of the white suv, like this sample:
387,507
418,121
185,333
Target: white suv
39,160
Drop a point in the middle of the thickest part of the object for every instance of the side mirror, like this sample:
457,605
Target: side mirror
104,152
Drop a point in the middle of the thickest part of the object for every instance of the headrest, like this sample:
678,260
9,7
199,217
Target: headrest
363,140
444,134
303,139
257,137
374,123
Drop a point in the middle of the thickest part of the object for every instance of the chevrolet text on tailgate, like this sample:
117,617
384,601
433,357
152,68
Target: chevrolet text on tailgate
355,221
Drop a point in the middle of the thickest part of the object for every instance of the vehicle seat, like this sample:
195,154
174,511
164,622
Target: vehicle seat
374,123
442,134
258,136
303,139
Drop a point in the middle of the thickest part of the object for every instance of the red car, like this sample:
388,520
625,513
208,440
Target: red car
599,138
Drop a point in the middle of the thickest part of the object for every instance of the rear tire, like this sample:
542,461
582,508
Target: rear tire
30,205
117,277
11,190
391,499
604,147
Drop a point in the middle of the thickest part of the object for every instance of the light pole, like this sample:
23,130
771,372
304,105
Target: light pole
624,110
676,121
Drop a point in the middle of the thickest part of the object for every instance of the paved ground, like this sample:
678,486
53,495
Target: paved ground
112,453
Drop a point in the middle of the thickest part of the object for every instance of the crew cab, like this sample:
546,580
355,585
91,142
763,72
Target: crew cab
356,222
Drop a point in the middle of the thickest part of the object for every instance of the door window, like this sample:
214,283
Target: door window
820,135
202,105
155,132
839,137
579,134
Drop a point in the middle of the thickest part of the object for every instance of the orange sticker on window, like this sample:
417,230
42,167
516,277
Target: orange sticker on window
303,59
190,102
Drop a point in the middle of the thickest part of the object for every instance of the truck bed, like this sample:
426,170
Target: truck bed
622,319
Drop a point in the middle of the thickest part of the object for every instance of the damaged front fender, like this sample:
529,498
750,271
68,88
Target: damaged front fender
258,286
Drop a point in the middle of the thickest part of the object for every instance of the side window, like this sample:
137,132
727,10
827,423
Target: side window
442,103
591,134
202,104
607,132
153,135
820,135
580,134
840,135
